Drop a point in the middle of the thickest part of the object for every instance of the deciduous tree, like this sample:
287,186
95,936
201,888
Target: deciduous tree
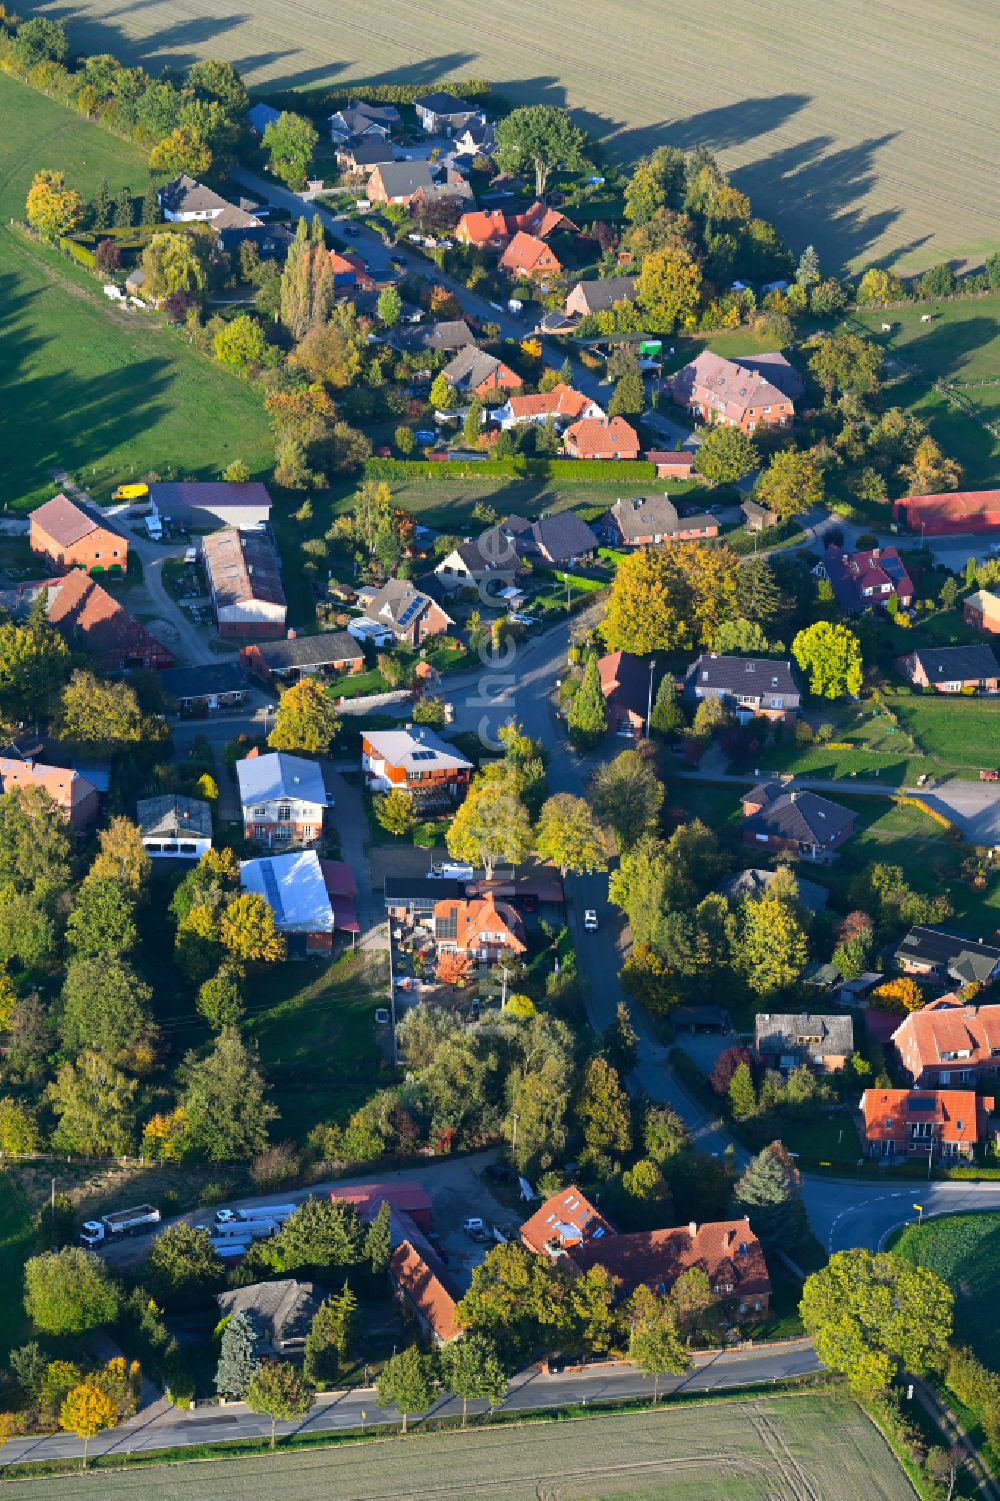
51,207
104,1008
831,655
102,921
628,796
247,930
406,1382
101,714
569,836
726,454
69,1292
290,142
86,1412
279,1390
542,138
491,824
471,1369
240,343
181,1266
306,720
669,288
773,949
603,1109
654,1345
870,1315
183,151
121,857
307,291
791,483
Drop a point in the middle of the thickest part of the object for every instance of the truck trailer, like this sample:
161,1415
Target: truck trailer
119,1224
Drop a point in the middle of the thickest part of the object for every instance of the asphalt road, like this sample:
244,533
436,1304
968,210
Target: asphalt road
162,1427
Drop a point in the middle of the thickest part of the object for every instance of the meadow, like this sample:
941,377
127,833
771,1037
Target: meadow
102,394
960,347
746,1451
872,134
964,1250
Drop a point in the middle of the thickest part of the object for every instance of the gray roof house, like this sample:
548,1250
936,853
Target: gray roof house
601,296
645,520
803,824
276,776
562,538
358,120
452,335
174,826
756,882
408,612
472,368
786,1040
948,956
439,112
281,1313
749,685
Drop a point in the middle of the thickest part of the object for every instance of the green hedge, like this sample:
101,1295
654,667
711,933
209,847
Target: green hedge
551,471
78,252
327,101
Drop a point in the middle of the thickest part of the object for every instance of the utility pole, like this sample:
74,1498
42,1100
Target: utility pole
649,704
503,986
513,1135
566,577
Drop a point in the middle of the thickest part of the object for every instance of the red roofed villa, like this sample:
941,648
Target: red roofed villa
593,438
527,255
901,1123
947,1045
484,930
562,403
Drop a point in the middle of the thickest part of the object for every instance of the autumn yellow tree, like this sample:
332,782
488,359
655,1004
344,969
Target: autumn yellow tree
247,930
86,1412
929,472
791,483
669,288
183,150
670,598
121,857
898,995
51,207
306,719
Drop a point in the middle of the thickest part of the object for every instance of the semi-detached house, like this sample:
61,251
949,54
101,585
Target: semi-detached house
283,799
945,1045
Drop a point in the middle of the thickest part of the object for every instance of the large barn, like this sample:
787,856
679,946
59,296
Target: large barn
951,513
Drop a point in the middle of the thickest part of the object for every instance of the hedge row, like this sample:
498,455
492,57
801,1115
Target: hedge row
327,101
78,252
552,471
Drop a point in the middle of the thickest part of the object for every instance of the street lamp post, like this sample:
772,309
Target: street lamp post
649,703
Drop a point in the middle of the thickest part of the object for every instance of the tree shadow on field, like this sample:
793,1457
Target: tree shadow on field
170,46
423,74
939,351
75,420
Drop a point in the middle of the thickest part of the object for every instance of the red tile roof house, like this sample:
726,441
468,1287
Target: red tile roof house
594,439
866,580
88,617
950,513
562,404
952,669
753,687
568,1227
527,256
415,761
948,1046
72,794
625,684
477,373
484,930
802,824
982,611
68,536
647,520
483,229
901,1123
420,1281
731,392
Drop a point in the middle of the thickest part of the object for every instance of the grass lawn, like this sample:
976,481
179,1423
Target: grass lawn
17,1243
830,1138
314,1024
103,394
960,346
964,1250
961,732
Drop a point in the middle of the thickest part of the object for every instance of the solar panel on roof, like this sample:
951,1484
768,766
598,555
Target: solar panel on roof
424,755
271,890
409,612
920,1104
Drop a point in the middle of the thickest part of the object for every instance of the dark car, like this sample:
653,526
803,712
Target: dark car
351,231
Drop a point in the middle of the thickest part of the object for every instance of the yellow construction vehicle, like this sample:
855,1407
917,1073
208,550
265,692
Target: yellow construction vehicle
131,492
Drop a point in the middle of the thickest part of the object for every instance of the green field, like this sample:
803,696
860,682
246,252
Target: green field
962,732
85,387
964,1250
788,1447
960,347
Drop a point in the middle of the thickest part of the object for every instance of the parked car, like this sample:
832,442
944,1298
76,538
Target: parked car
397,263
425,438
351,231
590,920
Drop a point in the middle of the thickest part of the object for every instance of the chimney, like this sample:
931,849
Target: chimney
729,1239
290,634
793,797
252,753
693,1229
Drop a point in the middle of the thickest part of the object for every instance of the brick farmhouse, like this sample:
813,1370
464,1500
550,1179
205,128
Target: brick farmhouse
746,393
75,797
753,687
787,821
70,537
952,669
